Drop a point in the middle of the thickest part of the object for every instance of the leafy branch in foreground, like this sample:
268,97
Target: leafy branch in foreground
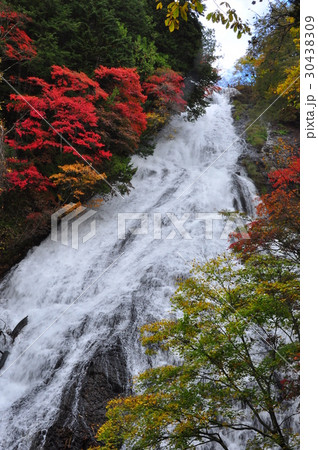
237,344
229,18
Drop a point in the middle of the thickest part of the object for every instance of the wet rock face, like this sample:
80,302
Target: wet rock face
82,409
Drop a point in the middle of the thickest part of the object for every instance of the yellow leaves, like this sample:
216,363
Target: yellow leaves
290,19
76,180
183,11
174,10
295,33
155,120
290,87
259,60
172,16
173,25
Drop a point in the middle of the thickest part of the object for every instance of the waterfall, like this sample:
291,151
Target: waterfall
119,283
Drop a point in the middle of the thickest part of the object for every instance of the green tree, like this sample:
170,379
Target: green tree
182,48
235,351
79,34
147,58
272,62
202,77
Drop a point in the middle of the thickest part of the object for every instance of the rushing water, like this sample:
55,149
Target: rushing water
141,275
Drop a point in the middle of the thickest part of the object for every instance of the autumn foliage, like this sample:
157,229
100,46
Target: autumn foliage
14,41
71,120
233,341
76,180
68,105
165,89
122,118
277,226
27,176
70,127
230,370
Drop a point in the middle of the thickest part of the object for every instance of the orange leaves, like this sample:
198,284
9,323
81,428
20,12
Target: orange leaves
277,226
285,177
76,180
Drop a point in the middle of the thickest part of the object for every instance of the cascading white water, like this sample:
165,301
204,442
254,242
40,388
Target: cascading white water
139,282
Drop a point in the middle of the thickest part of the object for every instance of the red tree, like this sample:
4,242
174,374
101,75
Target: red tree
68,105
15,46
14,42
92,116
122,118
164,88
277,227
26,176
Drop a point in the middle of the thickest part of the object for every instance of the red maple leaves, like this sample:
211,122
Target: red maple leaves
164,88
28,177
15,43
75,115
73,118
68,105
277,226
122,118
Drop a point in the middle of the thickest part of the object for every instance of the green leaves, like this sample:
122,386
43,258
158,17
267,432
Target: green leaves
230,20
174,9
199,7
237,345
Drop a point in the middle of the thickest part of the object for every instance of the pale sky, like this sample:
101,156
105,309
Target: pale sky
230,47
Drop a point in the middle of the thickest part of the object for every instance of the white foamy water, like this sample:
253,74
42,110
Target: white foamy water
139,282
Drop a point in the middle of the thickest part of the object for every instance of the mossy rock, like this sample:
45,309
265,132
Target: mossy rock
256,135
239,110
256,172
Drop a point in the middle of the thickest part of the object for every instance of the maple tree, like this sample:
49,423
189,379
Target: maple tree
76,181
26,176
74,119
164,90
233,370
122,118
68,105
276,229
15,44
49,54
